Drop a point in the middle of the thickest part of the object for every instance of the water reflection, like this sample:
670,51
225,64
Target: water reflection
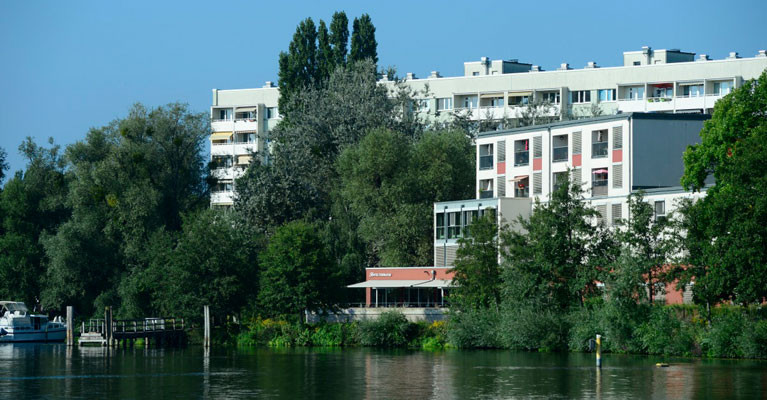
29,371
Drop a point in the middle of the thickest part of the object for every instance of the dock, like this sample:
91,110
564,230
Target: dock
164,331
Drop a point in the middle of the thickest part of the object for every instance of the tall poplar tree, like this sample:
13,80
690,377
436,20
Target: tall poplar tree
325,58
339,37
364,43
298,67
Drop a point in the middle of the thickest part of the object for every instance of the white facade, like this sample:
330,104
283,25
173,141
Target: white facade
668,81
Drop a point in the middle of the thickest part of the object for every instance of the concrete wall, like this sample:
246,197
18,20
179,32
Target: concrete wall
360,314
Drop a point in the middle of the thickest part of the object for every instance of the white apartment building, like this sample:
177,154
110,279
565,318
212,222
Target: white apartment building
663,81
610,156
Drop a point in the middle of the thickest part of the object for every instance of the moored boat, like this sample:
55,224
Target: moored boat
18,325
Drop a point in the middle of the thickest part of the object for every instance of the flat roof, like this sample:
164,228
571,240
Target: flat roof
603,118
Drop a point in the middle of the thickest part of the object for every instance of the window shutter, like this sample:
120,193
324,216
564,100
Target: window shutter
537,147
617,137
617,213
537,183
501,146
577,142
602,212
617,176
501,186
576,176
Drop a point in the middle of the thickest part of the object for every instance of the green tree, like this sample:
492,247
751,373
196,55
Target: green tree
727,239
339,37
298,68
325,59
364,45
297,274
32,206
128,180
3,164
477,269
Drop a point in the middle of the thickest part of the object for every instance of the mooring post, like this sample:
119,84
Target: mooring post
206,317
70,327
599,351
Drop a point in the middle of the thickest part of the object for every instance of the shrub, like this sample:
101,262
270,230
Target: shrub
474,329
528,327
753,342
722,339
664,333
389,330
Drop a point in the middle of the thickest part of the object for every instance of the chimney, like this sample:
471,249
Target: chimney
563,67
762,53
268,84
535,68
409,76
733,55
591,64
484,60
703,57
435,74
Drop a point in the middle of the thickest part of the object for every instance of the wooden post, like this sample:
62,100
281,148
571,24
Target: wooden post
206,317
70,326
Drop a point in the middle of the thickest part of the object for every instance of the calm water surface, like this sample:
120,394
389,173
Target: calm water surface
54,371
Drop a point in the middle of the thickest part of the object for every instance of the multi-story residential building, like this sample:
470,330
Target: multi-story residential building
666,81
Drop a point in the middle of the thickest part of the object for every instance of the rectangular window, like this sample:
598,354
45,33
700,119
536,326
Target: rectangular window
223,187
692,90
454,225
496,102
225,114
722,88
222,162
551,97
470,102
521,152
599,144
559,148
519,100
660,210
606,95
522,186
440,223
599,182
271,113
559,179
468,218
444,103
475,73
663,91
486,156
636,93
486,189
580,96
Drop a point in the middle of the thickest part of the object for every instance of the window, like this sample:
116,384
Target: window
475,73
606,94
445,103
559,148
692,90
551,97
522,186
722,88
599,144
486,156
580,96
660,210
454,225
496,102
662,91
559,179
637,63
599,182
470,102
486,189
636,93
222,162
519,100
271,112
521,152
423,104
245,137
225,114
223,187
440,233
468,218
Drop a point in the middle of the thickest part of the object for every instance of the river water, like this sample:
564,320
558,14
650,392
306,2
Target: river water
55,371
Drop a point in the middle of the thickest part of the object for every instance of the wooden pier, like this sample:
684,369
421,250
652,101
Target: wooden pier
166,331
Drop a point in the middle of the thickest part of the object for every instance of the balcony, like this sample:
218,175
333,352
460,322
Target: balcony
486,162
599,150
560,154
485,194
246,125
222,125
599,188
521,158
223,197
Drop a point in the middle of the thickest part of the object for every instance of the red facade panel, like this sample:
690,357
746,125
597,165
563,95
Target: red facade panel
576,160
501,167
537,164
617,156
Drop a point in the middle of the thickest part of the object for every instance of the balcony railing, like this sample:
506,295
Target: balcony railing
486,162
521,158
560,154
599,188
599,150
522,192
485,194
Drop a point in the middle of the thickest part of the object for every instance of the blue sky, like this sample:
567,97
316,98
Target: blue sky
68,66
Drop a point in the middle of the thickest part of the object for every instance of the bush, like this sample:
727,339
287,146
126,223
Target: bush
474,329
389,330
722,339
665,333
585,324
527,327
754,340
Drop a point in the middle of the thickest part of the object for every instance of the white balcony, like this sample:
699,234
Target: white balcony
660,104
229,173
688,103
222,125
221,149
245,125
245,148
222,197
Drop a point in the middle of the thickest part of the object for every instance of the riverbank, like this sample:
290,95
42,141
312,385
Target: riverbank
732,332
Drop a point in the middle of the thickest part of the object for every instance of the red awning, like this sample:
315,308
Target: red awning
600,171
519,178
663,85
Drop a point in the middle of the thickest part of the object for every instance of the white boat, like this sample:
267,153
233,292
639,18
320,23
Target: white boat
18,325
